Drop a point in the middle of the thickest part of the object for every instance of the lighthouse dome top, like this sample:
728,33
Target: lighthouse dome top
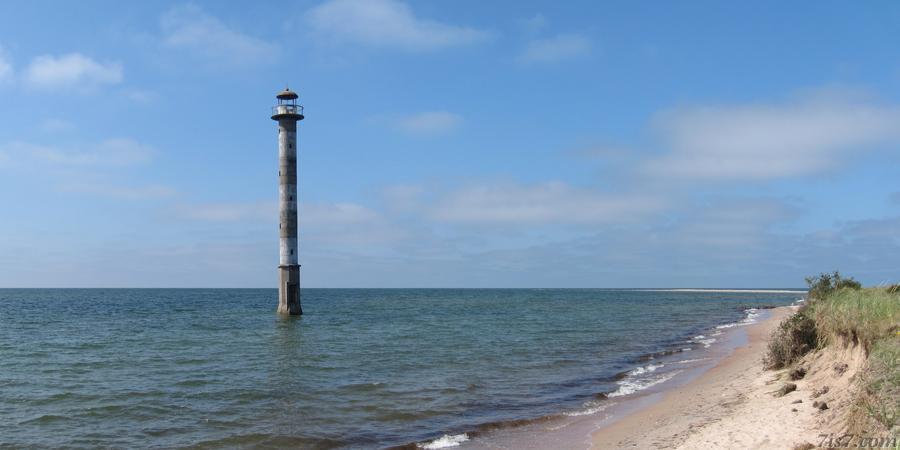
287,94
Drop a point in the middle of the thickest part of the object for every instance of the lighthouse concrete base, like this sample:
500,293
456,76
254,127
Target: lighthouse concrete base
289,290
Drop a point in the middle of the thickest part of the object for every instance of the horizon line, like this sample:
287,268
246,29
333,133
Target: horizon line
646,289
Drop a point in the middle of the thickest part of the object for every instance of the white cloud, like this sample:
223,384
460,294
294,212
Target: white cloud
428,123
385,24
74,71
766,141
141,95
402,197
82,169
551,202
6,67
555,49
121,192
111,152
230,212
323,215
345,226
736,224
535,23
57,125
332,214
189,27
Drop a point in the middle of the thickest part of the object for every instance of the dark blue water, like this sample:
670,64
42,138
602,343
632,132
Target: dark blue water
167,368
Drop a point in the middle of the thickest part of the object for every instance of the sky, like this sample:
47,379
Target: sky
451,143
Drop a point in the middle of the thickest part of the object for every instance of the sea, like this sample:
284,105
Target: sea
362,368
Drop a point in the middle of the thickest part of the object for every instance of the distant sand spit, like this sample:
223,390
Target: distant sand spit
749,291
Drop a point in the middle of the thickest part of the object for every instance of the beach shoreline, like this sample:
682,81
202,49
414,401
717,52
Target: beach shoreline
668,372
728,406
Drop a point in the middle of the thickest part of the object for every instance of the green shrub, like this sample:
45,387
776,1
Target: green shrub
794,337
826,283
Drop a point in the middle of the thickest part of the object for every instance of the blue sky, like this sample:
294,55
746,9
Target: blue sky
451,144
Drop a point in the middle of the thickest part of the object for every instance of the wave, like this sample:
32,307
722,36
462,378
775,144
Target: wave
632,385
751,318
43,419
591,407
707,342
445,441
659,354
645,369
688,361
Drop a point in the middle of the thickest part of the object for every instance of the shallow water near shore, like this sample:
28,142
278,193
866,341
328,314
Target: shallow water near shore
363,367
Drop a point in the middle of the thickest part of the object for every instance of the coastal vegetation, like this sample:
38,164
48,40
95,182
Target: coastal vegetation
838,314
794,337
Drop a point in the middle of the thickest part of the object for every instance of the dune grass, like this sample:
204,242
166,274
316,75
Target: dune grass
840,312
869,318
860,316
879,399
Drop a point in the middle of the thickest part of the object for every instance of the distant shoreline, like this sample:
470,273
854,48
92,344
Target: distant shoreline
749,291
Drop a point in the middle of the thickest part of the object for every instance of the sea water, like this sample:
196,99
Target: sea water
362,368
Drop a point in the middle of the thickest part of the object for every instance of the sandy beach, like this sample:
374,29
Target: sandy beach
733,405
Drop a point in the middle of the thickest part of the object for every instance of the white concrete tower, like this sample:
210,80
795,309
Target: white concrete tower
287,112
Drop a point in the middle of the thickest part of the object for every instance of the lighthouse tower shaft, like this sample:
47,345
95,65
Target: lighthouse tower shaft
288,113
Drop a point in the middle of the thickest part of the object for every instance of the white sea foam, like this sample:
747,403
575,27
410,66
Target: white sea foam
688,361
645,369
752,315
706,341
632,385
445,441
591,407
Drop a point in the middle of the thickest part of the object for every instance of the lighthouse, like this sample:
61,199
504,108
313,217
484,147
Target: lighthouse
287,113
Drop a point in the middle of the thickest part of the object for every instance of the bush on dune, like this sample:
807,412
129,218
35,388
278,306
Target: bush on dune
823,285
793,338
